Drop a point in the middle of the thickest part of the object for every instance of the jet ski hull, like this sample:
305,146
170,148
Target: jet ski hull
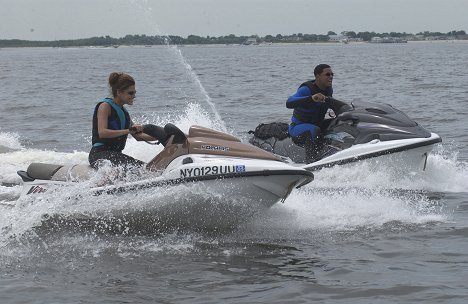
406,154
261,182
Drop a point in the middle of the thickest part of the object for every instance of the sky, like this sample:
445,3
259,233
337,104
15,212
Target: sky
73,19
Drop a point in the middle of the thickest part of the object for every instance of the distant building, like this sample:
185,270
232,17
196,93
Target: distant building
338,38
250,41
387,40
414,37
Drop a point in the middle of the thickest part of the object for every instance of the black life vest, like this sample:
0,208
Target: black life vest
118,120
316,113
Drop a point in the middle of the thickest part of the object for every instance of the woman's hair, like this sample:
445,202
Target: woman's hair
120,81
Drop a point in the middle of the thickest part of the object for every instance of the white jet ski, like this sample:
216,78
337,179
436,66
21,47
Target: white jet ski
357,132
219,162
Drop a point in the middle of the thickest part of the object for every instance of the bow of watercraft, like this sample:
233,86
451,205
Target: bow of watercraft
263,181
409,154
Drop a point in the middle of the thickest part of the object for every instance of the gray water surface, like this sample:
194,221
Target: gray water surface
354,235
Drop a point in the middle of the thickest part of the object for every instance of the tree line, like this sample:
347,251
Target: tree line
194,39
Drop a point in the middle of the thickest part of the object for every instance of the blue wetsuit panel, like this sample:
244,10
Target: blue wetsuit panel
301,99
300,94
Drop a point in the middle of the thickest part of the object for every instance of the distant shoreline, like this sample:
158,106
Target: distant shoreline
240,45
331,37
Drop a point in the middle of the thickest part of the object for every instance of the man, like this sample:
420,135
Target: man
310,106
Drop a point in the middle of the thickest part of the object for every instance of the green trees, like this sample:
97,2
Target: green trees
229,39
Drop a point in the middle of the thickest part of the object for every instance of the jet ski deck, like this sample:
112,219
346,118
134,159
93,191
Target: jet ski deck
358,132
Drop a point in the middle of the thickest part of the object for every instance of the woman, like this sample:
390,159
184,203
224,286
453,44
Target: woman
112,124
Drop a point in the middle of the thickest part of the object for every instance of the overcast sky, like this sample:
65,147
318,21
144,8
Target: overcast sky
71,19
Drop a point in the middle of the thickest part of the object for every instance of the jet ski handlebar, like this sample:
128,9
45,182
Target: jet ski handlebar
169,134
343,110
338,106
179,137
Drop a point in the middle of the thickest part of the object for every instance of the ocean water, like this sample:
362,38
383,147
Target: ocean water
356,234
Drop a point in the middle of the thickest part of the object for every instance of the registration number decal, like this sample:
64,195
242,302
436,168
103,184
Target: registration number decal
211,170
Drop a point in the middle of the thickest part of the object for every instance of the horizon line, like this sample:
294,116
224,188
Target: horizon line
248,36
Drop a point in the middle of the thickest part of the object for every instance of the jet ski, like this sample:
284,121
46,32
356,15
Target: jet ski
216,161
356,132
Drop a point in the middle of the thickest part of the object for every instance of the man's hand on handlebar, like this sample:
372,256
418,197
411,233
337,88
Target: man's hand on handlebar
319,97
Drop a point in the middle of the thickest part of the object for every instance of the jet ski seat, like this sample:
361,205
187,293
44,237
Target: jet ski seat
57,172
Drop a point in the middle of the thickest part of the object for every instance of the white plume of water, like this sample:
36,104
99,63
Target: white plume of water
444,173
147,11
193,114
9,142
332,203
196,81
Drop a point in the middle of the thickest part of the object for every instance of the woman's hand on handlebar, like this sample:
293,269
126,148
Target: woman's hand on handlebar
135,129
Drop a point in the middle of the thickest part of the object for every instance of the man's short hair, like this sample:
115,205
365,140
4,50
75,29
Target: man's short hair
319,69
